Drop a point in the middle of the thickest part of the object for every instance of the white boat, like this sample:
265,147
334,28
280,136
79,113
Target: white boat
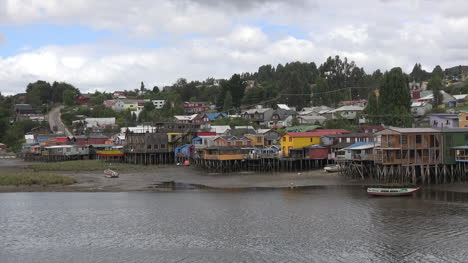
110,173
391,191
332,168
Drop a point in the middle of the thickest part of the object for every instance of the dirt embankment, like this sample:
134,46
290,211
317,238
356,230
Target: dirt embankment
152,178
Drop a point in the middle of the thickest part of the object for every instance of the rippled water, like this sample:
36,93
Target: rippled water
333,224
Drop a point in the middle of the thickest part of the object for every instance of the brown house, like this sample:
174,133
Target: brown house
231,141
146,143
409,146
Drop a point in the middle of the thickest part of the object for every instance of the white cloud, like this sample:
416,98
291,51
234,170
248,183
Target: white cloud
227,37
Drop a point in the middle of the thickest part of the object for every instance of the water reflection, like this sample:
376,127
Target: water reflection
317,224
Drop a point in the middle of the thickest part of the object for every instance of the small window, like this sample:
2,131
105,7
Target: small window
466,137
418,139
284,139
290,139
149,147
403,139
466,118
156,146
163,146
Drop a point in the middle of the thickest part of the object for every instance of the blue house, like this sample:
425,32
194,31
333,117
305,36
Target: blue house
209,117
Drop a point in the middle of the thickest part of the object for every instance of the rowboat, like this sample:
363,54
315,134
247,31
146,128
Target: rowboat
110,173
332,168
391,191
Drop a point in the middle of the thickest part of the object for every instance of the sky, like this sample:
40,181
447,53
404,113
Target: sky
114,45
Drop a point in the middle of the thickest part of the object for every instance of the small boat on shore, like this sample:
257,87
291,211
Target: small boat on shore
332,168
110,173
391,190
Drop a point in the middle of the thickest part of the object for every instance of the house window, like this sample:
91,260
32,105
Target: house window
348,140
403,139
148,147
449,139
284,139
290,139
418,139
163,146
466,118
259,139
466,136
311,139
155,146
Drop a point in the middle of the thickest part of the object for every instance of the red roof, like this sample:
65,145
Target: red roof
317,133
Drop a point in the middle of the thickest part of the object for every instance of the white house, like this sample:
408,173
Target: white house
311,119
420,108
99,122
158,104
221,129
347,112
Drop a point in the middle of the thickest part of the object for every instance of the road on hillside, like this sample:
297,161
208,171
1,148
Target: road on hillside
55,121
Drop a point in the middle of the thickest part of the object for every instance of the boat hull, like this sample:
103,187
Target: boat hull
391,191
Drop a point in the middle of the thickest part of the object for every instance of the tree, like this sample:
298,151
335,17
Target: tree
69,97
372,110
338,73
418,74
319,93
395,100
38,93
236,87
437,71
435,84
227,107
142,87
295,121
155,89
295,90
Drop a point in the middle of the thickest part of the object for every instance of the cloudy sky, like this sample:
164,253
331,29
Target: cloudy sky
111,45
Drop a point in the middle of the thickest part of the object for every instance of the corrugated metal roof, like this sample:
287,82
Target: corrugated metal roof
410,130
317,133
361,146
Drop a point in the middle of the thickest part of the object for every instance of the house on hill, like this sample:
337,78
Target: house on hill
83,99
210,117
258,115
347,112
443,120
281,118
26,112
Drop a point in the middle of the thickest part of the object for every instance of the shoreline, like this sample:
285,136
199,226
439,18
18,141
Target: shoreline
171,177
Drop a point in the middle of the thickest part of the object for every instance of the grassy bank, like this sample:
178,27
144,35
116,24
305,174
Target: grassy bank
34,179
84,165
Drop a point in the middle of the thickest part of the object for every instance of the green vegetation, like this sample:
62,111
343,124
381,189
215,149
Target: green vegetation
41,93
84,165
393,105
464,107
34,179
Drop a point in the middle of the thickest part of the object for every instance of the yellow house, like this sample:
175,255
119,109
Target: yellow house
293,140
463,119
257,140
132,105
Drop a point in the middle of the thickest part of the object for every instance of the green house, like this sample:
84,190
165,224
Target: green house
453,138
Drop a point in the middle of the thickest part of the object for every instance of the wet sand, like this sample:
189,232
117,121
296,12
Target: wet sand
153,179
